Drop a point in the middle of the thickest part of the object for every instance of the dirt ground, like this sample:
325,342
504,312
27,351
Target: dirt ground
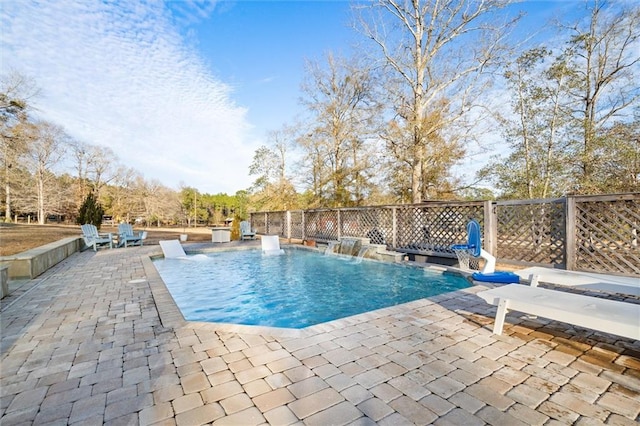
16,238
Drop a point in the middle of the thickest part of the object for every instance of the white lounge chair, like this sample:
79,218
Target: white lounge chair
128,237
271,245
581,280
246,233
609,316
94,239
172,249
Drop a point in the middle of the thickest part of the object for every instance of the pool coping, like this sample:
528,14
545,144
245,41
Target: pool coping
171,316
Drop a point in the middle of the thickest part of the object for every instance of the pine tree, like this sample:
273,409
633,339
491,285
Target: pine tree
91,211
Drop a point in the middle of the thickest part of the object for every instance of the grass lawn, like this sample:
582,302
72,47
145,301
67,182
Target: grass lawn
16,238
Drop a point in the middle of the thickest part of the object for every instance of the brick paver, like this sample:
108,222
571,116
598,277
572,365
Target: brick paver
273,399
96,339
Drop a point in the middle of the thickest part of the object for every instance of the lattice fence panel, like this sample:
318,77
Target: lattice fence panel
527,231
531,232
607,235
373,223
321,225
296,224
434,229
277,223
258,223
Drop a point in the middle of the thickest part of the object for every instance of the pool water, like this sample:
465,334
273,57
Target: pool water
295,290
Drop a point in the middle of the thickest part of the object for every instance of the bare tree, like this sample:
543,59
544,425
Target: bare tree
618,153
435,53
342,119
273,189
96,166
122,197
79,152
16,90
574,128
102,167
60,199
604,53
46,148
159,202
537,128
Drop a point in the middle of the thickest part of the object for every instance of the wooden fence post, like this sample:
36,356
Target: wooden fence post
289,225
570,252
394,226
304,226
490,227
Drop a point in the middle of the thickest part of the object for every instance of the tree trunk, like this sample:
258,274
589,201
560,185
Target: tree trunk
41,218
416,178
7,191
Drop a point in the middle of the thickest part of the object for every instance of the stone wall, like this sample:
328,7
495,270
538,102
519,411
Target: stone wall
31,263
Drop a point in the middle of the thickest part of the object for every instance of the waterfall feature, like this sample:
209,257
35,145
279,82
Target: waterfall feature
331,247
363,250
350,246
359,248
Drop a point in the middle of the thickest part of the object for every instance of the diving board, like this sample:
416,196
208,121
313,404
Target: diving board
582,280
609,316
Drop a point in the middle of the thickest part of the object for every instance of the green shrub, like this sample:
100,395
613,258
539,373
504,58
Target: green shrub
90,212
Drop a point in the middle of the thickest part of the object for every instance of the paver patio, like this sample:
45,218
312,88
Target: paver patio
98,340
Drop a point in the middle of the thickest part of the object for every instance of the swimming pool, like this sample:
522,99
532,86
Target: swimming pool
298,289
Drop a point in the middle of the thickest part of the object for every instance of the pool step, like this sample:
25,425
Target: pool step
386,255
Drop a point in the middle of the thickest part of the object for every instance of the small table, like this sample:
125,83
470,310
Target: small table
220,235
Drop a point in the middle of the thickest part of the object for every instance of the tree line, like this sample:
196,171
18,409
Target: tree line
48,175
431,81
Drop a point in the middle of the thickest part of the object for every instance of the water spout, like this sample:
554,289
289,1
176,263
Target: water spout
349,246
330,247
363,250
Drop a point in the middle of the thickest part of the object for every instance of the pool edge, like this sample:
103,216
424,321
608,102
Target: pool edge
171,316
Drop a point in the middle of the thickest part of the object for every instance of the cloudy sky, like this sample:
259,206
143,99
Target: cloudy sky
182,91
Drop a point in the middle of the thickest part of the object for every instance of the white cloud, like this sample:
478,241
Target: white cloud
120,75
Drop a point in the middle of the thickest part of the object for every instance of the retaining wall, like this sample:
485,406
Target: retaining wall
4,280
31,263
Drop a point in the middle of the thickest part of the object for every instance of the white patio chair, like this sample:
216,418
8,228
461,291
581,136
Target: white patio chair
246,233
94,239
128,237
